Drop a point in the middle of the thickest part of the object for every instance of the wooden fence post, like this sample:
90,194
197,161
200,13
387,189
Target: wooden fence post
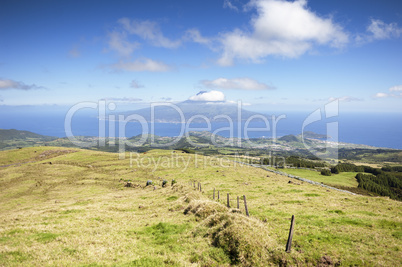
289,243
228,201
245,205
218,195
214,194
238,204
200,188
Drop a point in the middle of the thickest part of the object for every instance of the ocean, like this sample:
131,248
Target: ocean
380,129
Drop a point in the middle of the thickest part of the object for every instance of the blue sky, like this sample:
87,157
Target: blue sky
270,54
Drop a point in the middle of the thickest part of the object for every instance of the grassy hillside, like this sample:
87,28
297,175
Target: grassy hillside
62,206
11,139
346,179
17,134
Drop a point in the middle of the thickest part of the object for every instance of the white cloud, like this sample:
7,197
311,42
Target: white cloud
381,30
280,28
195,36
119,43
397,88
380,95
10,84
211,96
238,83
150,31
135,84
141,65
228,4
395,92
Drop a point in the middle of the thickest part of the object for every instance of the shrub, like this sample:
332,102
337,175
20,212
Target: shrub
326,172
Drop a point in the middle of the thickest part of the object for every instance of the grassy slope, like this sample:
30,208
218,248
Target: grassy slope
343,179
76,212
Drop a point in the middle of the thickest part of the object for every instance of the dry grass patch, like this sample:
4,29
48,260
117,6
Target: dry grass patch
204,208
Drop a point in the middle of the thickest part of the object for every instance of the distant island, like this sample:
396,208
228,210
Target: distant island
209,144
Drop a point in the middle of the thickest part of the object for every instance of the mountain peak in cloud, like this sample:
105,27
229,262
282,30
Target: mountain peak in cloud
211,96
201,92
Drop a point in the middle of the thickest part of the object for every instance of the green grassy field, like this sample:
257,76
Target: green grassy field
70,207
343,179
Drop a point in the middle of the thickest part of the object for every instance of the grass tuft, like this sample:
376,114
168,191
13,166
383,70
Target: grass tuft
312,195
13,256
172,198
204,208
45,237
245,240
336,211
146,262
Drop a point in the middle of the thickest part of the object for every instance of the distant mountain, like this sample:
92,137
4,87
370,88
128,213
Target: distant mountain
13,134
197,111
195,139
289,138
11,139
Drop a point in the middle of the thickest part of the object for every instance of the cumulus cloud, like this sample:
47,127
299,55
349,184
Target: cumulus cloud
211,96
10,84
135,84
238,83
280,28
141,65
150,31
394,92
381,30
